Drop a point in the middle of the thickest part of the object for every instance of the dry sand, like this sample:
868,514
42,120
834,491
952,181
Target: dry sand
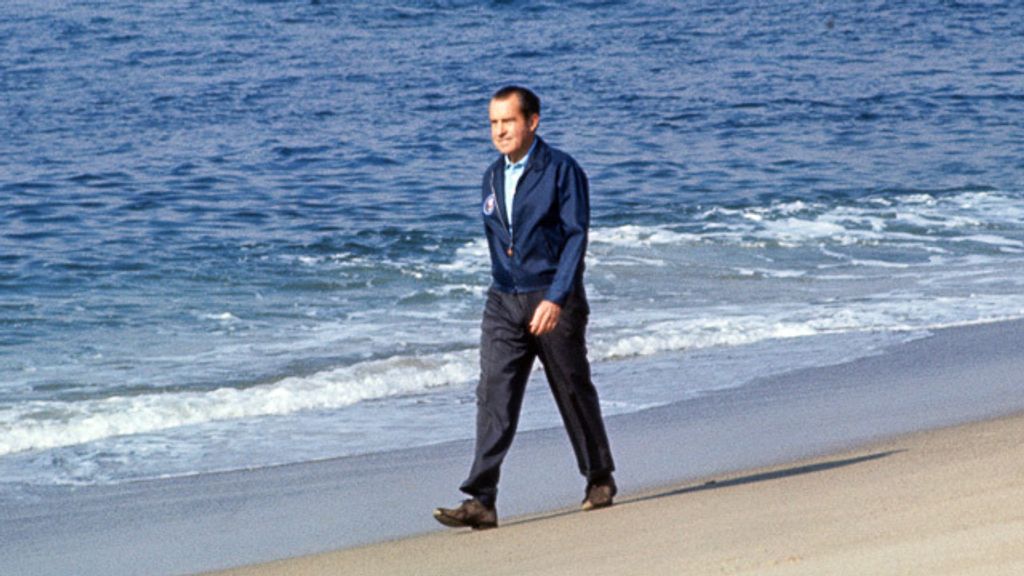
949,501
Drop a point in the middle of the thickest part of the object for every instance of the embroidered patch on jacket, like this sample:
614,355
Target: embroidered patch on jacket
489,204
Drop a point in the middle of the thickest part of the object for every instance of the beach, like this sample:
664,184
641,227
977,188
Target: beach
945,500
940,502
242,275
207,267
827,466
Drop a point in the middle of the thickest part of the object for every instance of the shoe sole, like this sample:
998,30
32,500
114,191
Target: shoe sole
588,505
453,522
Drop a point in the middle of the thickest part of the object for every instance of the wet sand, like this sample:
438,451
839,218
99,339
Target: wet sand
949,501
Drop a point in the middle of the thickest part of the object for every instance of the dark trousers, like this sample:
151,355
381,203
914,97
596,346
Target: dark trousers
507,352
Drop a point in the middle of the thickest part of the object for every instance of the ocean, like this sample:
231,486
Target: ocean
237,235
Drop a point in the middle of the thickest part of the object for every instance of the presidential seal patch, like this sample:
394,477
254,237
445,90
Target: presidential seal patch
489,204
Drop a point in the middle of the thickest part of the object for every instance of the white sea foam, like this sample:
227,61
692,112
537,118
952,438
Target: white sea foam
222,317
48,424
634,236
470,258
801,230
595,260
992,240
878,264
696,334
872,221
905,224
735,327
766,273
41,425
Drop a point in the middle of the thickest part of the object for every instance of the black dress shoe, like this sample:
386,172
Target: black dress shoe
470,514
600,494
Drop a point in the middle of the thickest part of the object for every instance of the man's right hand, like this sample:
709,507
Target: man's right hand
545,318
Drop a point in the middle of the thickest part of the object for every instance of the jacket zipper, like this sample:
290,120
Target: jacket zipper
501,212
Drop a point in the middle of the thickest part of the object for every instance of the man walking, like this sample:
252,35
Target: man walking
536,212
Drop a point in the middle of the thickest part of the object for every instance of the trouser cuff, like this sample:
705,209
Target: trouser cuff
487,501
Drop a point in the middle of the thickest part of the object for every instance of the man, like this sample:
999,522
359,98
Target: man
536,213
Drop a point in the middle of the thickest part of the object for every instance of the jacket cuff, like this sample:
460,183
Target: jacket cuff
556,296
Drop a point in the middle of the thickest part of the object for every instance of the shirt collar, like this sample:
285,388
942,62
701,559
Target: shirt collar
522,161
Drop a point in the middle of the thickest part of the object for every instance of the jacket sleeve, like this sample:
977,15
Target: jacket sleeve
574,213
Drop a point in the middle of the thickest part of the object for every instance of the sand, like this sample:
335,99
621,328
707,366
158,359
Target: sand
949,501
928,503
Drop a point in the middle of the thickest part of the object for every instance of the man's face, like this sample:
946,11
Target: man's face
511,132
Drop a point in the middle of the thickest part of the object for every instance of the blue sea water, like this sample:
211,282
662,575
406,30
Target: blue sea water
241,234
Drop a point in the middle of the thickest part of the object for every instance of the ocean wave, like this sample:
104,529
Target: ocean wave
41,425
966,229
925,219
635,236
917,223
698,334
470,258
733,326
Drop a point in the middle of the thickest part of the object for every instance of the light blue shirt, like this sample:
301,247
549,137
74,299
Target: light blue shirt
513,172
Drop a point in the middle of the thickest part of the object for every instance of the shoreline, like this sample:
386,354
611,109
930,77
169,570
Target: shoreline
939,501
209,522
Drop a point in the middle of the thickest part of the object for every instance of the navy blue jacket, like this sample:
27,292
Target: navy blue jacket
550,216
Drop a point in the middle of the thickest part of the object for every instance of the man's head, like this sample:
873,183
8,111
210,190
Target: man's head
515,115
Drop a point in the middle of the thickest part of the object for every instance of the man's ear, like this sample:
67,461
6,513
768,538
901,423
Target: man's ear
533,122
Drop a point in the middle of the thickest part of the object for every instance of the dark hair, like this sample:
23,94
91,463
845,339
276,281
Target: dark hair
529,103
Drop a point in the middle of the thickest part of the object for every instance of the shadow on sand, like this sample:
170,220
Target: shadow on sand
727,483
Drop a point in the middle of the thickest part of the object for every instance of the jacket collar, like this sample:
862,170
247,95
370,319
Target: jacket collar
535,165
538,158
540,155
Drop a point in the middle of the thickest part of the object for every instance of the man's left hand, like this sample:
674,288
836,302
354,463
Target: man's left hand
545,318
